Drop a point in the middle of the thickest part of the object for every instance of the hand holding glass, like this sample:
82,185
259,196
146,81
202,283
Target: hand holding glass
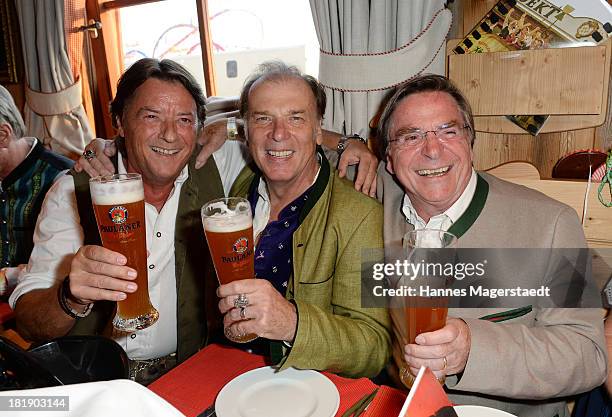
228,226
426,314
118,202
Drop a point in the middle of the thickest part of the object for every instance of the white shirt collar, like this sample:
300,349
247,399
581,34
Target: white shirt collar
32,142
446,219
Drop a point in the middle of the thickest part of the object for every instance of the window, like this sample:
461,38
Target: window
244,33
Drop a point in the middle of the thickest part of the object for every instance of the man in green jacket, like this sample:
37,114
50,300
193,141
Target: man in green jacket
310,227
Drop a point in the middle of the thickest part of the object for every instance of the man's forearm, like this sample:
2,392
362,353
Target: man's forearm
39,316
330,139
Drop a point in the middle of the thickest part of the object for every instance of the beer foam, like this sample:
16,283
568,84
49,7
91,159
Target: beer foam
225,220
118,192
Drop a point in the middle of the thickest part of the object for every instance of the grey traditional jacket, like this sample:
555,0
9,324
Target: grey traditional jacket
523,361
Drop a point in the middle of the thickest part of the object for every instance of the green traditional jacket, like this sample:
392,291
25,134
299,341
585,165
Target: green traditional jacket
196,283
334,332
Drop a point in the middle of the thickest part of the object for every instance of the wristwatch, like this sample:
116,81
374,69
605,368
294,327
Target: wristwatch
232,128
343,142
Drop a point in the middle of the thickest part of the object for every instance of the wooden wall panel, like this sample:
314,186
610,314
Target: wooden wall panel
550,147
603,134
546,81
544,150
492,149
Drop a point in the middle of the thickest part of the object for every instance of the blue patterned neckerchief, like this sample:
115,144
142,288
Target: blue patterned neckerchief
274,250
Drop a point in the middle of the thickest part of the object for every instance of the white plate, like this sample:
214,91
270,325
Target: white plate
263,392
478,411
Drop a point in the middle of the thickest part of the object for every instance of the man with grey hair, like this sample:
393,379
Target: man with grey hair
27,171
521,360
310,226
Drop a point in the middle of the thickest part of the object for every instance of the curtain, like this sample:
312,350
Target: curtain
368,47
53,110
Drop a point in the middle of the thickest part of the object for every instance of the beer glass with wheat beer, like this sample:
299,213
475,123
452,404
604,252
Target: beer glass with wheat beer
431,249
228,226
118,202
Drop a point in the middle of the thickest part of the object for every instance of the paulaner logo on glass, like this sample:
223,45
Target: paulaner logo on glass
413,270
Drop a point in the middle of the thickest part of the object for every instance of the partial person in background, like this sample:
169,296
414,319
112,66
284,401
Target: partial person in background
27,171
522,360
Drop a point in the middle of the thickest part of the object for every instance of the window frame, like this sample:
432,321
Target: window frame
107,54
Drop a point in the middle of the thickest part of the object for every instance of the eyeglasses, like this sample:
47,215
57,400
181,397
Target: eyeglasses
417,137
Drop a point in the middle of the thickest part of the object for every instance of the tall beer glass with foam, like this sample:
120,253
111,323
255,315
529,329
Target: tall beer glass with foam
118,202
228,226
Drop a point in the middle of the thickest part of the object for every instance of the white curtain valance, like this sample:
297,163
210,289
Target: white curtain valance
379,71
51,104
370,46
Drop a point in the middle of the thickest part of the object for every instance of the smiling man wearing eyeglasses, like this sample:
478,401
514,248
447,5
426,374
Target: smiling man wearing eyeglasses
521,360
430,153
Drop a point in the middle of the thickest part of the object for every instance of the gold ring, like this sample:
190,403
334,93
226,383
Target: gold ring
445,363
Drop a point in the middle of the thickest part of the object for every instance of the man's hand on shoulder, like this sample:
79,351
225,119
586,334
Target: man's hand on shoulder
358,153
96,158
212,137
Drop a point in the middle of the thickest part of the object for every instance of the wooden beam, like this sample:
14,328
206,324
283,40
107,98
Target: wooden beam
207,51
102,95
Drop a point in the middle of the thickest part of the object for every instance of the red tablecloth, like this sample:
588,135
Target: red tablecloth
193,386
6,313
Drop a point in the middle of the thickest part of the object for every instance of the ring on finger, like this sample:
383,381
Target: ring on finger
241,301
243,313
240,333
445,363
88,154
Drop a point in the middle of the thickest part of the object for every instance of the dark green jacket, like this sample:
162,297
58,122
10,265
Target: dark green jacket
196,282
